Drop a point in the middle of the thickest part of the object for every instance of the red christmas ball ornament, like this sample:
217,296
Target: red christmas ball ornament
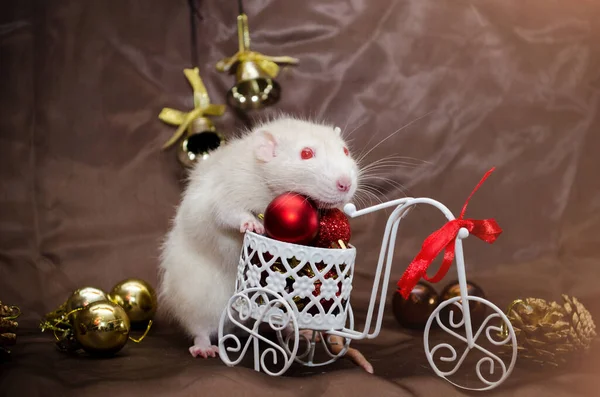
292,218
414,312
333,226
477,309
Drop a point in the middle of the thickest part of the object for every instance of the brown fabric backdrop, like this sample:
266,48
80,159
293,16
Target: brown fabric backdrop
86,193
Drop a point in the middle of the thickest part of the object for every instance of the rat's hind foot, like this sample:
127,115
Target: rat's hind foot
204,352
252,224
203,348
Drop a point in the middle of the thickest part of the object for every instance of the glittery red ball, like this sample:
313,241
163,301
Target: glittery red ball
333,226
292,218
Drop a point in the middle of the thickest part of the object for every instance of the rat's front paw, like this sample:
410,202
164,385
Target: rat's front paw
252,225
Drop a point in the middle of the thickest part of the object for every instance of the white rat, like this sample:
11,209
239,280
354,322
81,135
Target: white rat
221,201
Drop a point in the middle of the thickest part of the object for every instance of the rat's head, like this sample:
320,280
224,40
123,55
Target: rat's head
306,158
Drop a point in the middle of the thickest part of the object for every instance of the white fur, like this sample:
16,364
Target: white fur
225,193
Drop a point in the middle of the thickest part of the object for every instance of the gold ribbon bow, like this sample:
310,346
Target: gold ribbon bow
202,106
267,63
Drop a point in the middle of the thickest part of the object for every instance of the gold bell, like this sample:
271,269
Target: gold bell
255,73
201,139
199,134
254,88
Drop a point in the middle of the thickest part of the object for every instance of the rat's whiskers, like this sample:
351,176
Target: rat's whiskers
362,156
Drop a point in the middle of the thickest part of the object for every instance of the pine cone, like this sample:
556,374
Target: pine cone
8,328
549,333
6,311
584,329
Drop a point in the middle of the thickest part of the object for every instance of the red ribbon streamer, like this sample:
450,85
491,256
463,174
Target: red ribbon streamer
444,239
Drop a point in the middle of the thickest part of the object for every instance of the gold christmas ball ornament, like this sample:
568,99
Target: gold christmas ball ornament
99,323
102,328
137,298
84,297
549,333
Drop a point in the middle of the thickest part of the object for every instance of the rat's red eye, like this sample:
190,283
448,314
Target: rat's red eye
307,153
346,152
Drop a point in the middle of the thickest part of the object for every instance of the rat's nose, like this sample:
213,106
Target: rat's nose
343,184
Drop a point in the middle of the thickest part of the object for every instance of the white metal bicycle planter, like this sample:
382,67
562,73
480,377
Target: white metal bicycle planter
288,302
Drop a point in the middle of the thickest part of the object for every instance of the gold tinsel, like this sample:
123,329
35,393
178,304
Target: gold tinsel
549,333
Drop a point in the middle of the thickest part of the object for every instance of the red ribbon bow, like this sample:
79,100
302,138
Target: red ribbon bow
443,239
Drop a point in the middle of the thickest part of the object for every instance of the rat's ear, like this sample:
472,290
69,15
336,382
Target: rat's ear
265,150
338,131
